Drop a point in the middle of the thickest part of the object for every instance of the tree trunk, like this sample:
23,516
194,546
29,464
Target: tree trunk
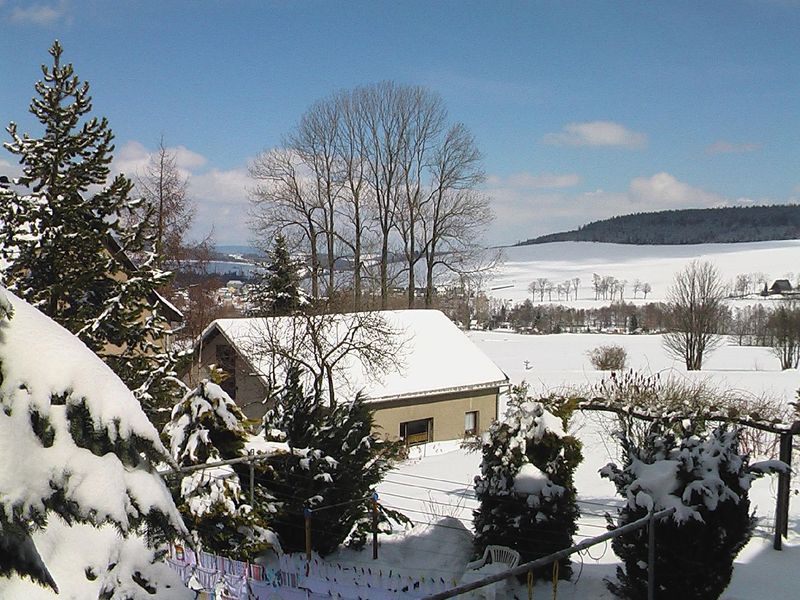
385,270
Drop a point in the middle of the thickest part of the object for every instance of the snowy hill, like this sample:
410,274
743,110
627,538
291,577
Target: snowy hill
656,265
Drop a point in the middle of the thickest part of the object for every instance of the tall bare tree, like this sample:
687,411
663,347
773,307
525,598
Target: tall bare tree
163,188
283,200
316,142
423,115
783,326
352,148
696,312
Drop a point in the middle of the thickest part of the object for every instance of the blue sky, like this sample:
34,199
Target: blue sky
582,110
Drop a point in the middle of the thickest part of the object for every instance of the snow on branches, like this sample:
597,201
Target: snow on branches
526,493
76,462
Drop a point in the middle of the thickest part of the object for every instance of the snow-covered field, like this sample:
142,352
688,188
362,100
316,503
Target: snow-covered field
656,265
436,483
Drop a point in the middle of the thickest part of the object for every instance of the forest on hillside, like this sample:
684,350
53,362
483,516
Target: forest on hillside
690,226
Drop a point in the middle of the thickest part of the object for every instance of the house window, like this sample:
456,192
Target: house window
226,361
417,432
471,423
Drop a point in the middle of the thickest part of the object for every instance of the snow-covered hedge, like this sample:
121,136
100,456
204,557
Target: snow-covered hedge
206,428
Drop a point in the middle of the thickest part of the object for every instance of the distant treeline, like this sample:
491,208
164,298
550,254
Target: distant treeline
690,226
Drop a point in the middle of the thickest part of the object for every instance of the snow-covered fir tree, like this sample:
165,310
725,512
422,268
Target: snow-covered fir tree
277,292
525,489
207,427
334,463
66,244
81,508
705,477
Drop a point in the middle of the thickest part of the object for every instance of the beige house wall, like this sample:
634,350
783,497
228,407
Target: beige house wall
446,410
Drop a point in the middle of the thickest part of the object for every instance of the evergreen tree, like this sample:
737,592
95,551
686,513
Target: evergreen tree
66,242
525,489
706,478
207,427
278,291
77,473
334,463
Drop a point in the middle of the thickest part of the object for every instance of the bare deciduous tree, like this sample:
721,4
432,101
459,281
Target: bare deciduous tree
171,212
329,347
378,160
282,202
696,312
783,326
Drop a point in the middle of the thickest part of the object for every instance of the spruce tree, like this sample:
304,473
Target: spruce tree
77,471
277,291
525,489
66,242
334,463
208,427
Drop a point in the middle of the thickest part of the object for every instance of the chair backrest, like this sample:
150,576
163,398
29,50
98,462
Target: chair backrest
504,554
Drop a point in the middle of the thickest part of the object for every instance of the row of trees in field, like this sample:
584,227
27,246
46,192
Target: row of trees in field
604,287
695,318
373,184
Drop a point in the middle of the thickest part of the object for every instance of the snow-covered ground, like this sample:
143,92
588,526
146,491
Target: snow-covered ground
436,482
656,265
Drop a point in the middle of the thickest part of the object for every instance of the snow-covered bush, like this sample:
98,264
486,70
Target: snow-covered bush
706,479
525,489
335,462
609,357
81,508
207,427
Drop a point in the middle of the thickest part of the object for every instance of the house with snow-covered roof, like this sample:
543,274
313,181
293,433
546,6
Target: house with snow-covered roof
439,385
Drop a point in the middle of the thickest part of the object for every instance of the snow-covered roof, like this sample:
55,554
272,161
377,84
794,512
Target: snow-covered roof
434,356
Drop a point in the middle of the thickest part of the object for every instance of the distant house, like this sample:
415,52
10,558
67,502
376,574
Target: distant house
781,286
172,314
443,387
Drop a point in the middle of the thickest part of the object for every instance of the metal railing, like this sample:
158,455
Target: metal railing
648,521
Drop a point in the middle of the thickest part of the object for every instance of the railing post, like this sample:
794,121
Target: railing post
651,556
252,454
784,491
307,515
375,526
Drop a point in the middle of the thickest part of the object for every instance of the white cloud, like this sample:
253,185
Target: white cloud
133,156
536,181
725,147
665,191
10,169
222,205
220,196
39,14
596,133
186,159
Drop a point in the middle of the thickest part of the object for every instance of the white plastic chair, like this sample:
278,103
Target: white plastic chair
496,555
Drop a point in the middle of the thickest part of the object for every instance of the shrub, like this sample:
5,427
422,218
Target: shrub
525,489
608,358
334,463
706,478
